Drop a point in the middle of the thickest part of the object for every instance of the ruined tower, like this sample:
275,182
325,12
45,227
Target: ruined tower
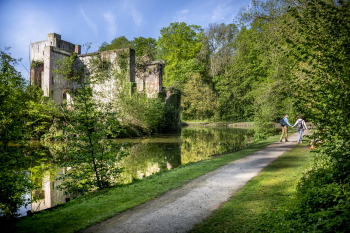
45,54
43,57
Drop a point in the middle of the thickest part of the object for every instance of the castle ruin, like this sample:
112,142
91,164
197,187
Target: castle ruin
147,78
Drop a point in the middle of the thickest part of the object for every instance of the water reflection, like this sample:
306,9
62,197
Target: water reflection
150,155
49,196
200,143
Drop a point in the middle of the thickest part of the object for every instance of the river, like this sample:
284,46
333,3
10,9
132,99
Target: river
148,155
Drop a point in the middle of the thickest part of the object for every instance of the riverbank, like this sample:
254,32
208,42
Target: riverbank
262,204
95,207
180,209
219,124
246,125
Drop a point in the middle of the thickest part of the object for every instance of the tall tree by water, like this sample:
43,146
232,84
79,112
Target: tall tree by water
24,114
91,161
179,44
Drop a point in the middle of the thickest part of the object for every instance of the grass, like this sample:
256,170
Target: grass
260,206
95,207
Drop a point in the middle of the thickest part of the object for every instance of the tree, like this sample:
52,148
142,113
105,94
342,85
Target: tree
199,100
322,47
120,42
89,121
14,179
254,84
218,46
177,44
144,46
40,113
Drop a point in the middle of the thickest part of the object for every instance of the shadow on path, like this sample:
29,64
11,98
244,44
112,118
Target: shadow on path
180,209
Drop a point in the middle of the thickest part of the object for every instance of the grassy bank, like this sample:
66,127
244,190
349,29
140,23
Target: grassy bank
260,206
95,207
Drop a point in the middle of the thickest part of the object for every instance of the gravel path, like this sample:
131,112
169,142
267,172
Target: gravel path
179,210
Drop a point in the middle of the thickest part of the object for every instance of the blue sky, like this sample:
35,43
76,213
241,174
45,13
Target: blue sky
95,21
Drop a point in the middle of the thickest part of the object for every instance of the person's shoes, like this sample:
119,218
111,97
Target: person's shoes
287,140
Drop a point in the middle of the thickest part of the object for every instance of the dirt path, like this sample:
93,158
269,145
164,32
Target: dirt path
180,209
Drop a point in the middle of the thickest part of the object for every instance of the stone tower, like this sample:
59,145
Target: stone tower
43,57
147,78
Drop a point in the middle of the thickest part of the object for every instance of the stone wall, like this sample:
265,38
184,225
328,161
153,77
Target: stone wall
47,53
145,77
115,61
149,77
36,73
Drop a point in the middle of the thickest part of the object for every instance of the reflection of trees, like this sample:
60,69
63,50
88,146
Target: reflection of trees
26,179
43,172
199,143
42,166
146,159
48,195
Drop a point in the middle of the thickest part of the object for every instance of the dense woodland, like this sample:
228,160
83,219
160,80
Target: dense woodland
278,56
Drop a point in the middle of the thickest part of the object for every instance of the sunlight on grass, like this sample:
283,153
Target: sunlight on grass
95,207
260,205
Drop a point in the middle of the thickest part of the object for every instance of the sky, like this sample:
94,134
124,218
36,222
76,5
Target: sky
96,21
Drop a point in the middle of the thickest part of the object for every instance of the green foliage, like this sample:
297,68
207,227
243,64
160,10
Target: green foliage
88,209
260,205
13,119
178,43
40,113
120,42
218,49
198,101
321,45
186,70
66,67
138,112
36,63
89,121
144,46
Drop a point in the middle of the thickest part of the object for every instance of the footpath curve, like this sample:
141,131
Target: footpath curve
180,209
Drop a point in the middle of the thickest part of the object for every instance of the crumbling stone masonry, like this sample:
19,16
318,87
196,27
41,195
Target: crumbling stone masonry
145,76
44,55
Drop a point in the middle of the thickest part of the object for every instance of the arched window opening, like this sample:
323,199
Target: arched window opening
67,99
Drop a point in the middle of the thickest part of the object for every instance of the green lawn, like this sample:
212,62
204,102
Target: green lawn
95,207
260,206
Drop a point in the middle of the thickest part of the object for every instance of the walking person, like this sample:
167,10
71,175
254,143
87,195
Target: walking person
284,123
300,126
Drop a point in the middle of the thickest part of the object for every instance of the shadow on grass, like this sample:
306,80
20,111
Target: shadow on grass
261,204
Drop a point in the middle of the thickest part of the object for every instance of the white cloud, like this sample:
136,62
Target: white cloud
128,9
137,17
220,12
31,26
88,20
184,11
226,10
112,26
181,16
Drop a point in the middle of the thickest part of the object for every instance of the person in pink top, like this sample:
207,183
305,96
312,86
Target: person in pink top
300,126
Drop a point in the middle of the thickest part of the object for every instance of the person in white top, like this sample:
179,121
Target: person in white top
300,126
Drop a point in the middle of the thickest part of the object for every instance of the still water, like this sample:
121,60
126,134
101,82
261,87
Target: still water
152,154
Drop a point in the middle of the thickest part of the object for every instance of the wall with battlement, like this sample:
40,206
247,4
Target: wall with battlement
46,53
145,76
